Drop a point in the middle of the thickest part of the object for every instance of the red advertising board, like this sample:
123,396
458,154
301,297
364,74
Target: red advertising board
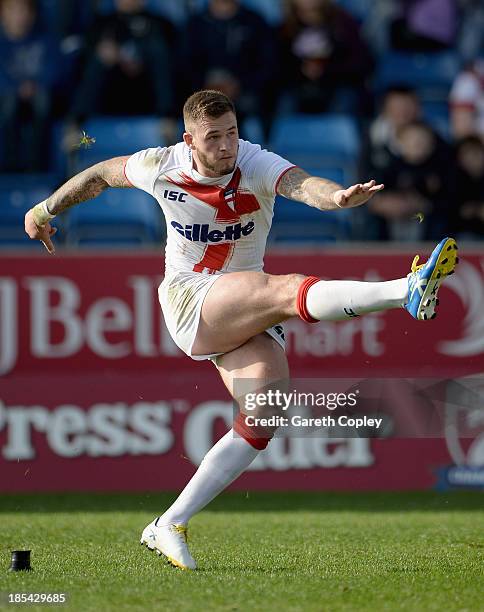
94,395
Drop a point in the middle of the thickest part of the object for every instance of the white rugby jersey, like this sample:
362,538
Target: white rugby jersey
213,224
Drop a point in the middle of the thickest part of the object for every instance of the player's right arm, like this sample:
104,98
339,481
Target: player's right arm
82,187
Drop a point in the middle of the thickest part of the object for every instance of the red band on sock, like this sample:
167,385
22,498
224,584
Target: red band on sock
258,437
302,293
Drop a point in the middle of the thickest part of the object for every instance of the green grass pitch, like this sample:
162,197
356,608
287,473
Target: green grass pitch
264,551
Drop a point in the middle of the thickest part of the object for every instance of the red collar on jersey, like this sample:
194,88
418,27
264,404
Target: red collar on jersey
230,202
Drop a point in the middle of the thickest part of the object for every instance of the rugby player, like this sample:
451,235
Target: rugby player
217,194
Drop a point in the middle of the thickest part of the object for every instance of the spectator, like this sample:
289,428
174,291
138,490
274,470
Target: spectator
230,48
29,69
419,187
128,65
400,107
469,217
467,101
425,25
326,60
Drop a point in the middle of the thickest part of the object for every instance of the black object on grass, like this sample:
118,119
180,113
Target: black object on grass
20,561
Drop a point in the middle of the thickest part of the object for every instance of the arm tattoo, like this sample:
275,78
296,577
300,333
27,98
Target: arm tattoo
89,184
291,184
298,185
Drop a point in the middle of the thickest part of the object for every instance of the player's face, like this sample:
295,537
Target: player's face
215,143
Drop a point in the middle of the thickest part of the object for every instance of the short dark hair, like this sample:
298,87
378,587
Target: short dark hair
400,89
206,103
472,140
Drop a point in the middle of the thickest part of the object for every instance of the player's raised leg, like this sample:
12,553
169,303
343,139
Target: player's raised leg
262,362
243,304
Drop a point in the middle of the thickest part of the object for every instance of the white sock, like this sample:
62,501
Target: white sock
223,463
335,300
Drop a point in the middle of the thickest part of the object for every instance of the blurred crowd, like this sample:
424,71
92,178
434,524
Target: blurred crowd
64,61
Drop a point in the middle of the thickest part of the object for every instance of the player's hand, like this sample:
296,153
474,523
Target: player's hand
42,233
356,194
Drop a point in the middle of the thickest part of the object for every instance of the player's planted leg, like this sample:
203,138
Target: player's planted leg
230,456
261,360
171,541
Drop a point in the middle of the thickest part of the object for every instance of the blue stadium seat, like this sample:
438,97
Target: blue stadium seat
117,217
297,222
251,129
58,155
318,141
326,134
18,193
118,136
332,173
436,114
431,74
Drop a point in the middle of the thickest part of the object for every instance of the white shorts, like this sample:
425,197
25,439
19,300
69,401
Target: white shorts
181,296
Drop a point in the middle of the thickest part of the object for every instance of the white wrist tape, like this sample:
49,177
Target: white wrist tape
41,214
46,210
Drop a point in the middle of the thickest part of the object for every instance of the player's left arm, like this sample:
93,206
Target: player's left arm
297,184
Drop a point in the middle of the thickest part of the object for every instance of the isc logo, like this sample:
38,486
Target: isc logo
174,196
